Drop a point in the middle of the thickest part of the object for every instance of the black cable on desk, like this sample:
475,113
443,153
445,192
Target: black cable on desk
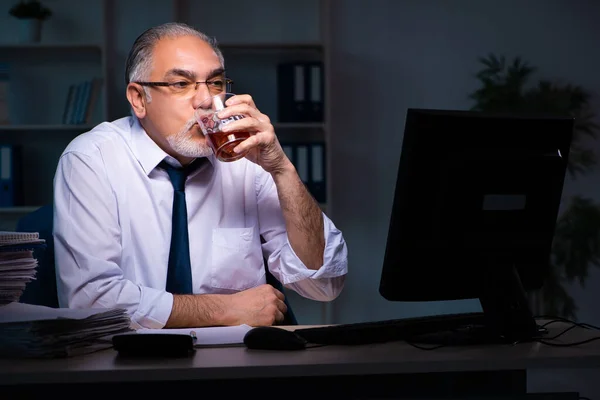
569,344
563,332
554,319
543,341
573,325
425,348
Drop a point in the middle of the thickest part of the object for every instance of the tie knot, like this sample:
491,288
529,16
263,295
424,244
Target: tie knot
178,175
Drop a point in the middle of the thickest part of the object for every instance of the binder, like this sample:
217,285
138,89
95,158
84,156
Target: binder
317,172
302,163
316,91
11,190
4,92
292,92
288,149
309,160
300,92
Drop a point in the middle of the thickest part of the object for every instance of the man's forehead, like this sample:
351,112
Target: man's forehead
187,54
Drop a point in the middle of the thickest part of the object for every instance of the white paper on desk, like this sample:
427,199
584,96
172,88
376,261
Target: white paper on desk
210,336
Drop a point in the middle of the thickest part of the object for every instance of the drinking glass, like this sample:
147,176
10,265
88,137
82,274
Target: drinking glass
222,143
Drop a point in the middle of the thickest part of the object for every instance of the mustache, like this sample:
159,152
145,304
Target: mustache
188,125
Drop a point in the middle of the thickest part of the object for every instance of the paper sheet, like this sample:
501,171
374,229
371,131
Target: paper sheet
210,336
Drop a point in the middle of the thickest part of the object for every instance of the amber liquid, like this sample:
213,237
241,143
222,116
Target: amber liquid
224,143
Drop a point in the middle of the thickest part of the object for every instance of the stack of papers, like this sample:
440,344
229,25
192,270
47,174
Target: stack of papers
17,263
28,330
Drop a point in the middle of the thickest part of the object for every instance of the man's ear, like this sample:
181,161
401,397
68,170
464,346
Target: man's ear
137,99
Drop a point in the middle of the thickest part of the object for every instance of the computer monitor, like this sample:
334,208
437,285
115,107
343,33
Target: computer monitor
475,206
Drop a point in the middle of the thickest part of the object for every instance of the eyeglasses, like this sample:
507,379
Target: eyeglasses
185,88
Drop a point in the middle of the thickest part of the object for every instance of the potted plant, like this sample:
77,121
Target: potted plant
32,15
506,87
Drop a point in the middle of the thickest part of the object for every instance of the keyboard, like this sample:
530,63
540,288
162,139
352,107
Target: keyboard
439,329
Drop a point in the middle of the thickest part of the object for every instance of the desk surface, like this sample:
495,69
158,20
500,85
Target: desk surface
239,362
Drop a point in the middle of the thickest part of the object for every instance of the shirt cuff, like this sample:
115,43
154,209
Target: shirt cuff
154,309
335,258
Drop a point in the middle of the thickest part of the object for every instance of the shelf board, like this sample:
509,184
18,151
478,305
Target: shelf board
298,125
50,46
18,209
30,209
271,46
42,127
87,127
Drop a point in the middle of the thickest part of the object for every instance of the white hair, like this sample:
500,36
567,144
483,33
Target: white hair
139,60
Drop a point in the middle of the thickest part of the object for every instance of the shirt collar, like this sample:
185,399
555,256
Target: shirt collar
148,153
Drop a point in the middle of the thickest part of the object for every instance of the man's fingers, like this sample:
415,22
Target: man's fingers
239,109
239,99
279,295
279,317
281,306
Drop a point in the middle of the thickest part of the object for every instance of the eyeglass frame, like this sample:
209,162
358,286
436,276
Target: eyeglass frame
228,84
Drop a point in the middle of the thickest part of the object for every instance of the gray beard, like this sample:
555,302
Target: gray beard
183,144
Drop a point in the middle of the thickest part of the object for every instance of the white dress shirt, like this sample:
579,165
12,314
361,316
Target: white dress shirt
112,228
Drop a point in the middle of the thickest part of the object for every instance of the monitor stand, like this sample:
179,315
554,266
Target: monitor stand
506,317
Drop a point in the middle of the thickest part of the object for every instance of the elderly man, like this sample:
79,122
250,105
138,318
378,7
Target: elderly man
147,219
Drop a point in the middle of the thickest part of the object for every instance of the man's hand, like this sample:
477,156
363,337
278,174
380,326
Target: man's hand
264,148
259,306
303,217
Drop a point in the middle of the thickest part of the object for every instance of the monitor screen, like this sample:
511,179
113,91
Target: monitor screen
475,204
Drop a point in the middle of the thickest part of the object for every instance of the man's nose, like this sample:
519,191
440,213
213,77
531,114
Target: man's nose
202,97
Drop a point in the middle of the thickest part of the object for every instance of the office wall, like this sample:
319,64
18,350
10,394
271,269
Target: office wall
389,55
392,55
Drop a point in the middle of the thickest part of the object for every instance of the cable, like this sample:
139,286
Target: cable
542,327
563,332
312,346
573,325
425,348
568,344
555,319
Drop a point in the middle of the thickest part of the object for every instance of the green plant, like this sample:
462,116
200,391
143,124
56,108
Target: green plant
576,247
30,10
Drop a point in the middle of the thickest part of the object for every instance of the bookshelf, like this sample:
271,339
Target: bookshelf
92,38
72,50
251,51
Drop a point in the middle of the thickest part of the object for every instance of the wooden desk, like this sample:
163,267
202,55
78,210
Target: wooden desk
358,371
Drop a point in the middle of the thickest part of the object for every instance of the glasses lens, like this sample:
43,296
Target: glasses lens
216,86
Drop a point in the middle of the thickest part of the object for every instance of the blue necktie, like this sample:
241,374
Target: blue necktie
179,274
